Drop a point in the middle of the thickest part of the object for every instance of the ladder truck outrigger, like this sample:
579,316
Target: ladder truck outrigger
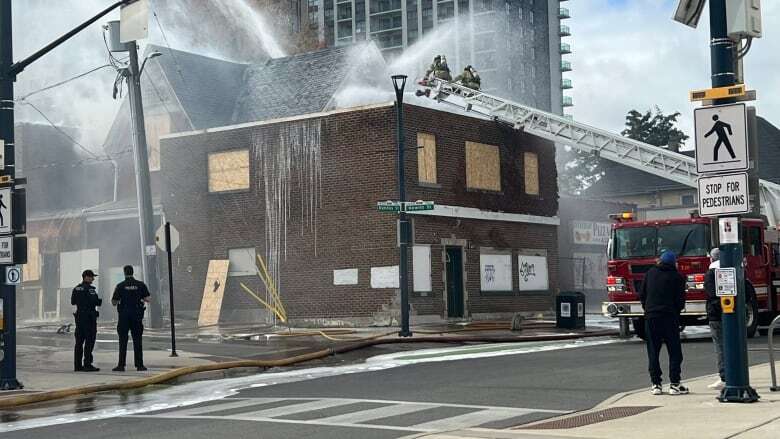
690,237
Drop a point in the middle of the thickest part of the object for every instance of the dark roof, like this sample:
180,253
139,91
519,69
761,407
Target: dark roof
294,85
621,180
206,87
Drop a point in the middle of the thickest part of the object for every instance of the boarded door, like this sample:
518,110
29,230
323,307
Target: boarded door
213,292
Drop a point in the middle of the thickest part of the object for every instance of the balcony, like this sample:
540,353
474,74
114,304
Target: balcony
567,101
566,84
565,49
565,66
563,14
564,31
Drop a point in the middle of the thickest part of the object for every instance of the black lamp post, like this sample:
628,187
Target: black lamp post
399,82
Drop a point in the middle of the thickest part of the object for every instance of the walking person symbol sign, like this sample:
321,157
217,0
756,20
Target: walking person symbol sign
721,138
5,211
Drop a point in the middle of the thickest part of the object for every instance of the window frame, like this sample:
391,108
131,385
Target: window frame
241,273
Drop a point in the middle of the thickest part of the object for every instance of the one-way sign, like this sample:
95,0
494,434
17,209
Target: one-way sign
723,194
721,138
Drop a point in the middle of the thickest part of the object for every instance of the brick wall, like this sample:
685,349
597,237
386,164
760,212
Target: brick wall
358,169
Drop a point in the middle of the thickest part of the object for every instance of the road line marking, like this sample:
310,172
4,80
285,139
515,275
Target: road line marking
295,408
293,421
467,420
377,413
227,404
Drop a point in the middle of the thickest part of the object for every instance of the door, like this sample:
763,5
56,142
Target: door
455,301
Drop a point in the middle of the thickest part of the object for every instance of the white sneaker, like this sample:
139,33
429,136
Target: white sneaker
656,390
717,385
678,389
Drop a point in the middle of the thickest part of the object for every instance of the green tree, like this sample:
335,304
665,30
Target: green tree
578,170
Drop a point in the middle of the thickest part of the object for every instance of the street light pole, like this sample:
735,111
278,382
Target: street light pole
399,82
735,354
143,187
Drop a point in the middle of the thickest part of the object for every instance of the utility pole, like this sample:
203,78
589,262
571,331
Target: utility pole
143,187
399,82
735,354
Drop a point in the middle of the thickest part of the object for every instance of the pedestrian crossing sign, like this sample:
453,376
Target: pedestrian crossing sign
721,138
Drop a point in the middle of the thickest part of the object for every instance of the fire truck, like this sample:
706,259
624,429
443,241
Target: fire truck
634,247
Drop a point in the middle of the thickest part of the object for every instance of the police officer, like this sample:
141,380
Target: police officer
85,298
129,298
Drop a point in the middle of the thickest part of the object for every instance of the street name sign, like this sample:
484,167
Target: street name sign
6,250
723,194
721,138
417,206
389,206
726,281
404,206
5,211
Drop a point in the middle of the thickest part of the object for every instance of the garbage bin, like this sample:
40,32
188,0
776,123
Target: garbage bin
570,310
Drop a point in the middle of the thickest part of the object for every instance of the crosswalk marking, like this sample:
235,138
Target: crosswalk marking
377,413
358,418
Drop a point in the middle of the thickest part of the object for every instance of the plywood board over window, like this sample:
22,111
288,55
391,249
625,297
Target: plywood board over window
156,125
483,167
32,269
229,171
426,158
531,168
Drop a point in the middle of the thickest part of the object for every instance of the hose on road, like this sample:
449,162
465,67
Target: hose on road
24,399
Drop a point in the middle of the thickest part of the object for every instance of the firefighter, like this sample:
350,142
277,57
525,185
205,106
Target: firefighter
129,298
469,78
663,298
439,69
85,298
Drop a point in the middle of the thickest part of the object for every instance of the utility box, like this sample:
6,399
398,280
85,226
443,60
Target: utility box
570,310
743,18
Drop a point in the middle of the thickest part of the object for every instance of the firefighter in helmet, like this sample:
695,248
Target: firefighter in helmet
439,69
469,78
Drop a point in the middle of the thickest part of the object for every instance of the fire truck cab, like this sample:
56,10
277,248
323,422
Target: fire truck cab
634,247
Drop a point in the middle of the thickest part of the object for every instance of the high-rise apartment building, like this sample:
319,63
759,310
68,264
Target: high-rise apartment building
516,45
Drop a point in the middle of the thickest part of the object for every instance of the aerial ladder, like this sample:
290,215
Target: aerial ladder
587,139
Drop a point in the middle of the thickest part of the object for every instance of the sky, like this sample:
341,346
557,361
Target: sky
630,54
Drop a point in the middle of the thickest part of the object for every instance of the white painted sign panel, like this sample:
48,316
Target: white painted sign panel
726,281
348,276
5,211
723,194
6,250
421,262
13,275
721,138
532,271
159,238
496,272
385,277
588,232
729,230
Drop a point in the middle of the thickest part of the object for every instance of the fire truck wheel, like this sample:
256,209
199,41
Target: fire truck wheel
625,331
639,327
751,319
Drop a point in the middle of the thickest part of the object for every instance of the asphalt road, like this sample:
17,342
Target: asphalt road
492,392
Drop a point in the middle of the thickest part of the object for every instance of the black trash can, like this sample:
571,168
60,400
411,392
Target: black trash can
570,310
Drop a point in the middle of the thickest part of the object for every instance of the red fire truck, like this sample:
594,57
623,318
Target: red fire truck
635,245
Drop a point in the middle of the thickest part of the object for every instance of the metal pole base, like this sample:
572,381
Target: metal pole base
738,394
405,333
174,354
774,389
10,384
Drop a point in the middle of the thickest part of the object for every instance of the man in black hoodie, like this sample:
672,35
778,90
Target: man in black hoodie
663,298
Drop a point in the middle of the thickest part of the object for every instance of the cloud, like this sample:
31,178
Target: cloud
632,55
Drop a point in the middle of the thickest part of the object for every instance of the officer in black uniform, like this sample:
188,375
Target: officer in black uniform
129,298
85,298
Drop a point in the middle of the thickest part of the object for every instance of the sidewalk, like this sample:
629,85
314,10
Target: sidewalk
695,416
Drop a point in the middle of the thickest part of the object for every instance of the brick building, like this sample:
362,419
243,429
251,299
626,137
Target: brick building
301,191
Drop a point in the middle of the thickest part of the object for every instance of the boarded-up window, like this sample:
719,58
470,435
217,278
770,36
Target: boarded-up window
531,165
156,126
32,269
426,158
483,167
229,171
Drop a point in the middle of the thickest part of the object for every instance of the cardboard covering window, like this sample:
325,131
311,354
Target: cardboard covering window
32,269
483,167
495,272
229,171
531,172
426,158
421,263
156,126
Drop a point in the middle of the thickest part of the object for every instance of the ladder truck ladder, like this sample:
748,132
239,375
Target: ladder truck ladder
587,139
